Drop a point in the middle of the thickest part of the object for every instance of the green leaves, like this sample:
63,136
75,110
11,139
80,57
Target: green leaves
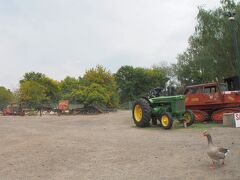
37,89
136,82
97,86
6,96
210,55
95,93
32,93
67,88
100,87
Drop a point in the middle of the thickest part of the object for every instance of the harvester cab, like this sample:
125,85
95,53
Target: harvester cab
233,83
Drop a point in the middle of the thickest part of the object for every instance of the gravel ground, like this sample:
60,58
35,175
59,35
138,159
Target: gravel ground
109,146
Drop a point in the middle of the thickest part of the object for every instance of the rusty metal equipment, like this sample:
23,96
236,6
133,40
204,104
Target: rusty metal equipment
212,100
13,109
64,107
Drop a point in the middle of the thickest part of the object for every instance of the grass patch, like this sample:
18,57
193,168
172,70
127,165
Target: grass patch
207,125
195,126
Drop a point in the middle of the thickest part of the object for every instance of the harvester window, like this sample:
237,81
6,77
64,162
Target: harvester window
193,90
223,87
199,90
189,91
208,90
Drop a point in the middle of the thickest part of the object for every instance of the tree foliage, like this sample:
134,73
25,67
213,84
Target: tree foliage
6,97
68,86
136,82
32,93
40,88
210,54
92,94
97,86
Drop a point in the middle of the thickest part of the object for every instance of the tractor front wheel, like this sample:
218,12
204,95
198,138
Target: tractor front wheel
141,113
166,120
188,117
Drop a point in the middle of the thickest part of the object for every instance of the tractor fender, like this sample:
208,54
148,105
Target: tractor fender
147,99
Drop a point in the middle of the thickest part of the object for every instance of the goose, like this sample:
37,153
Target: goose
215,153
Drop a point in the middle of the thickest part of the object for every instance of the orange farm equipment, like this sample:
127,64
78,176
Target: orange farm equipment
13,109
64,107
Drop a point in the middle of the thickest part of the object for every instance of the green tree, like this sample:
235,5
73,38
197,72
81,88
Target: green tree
136,82
51,87
98,86
68,86
210,54
124,78
32,93
92,94
6,97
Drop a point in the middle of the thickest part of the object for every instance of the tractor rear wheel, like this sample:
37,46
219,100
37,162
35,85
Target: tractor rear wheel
188,117
166,120
141,113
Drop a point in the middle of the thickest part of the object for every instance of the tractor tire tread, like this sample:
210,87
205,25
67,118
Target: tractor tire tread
146,113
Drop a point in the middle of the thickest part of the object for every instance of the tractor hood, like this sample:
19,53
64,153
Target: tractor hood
166,99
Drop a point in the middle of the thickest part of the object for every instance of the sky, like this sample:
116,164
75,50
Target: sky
62,38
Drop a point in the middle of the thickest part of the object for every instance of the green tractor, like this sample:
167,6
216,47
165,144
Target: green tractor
166,109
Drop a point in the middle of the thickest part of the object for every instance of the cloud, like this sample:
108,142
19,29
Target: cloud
60,38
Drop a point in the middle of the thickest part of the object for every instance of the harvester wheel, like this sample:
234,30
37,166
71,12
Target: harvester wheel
141,113
166,120
217,116
188,117
200,116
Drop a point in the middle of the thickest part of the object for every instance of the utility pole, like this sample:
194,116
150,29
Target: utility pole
233,27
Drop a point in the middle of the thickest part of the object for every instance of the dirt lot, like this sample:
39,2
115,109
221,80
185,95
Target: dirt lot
108,146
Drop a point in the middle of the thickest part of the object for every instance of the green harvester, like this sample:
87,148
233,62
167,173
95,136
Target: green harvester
166,109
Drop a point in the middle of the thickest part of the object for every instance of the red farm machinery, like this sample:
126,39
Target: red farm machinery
13,110
211,100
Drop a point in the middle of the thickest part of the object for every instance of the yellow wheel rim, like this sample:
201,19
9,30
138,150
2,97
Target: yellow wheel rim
187,117
138,113
165,120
